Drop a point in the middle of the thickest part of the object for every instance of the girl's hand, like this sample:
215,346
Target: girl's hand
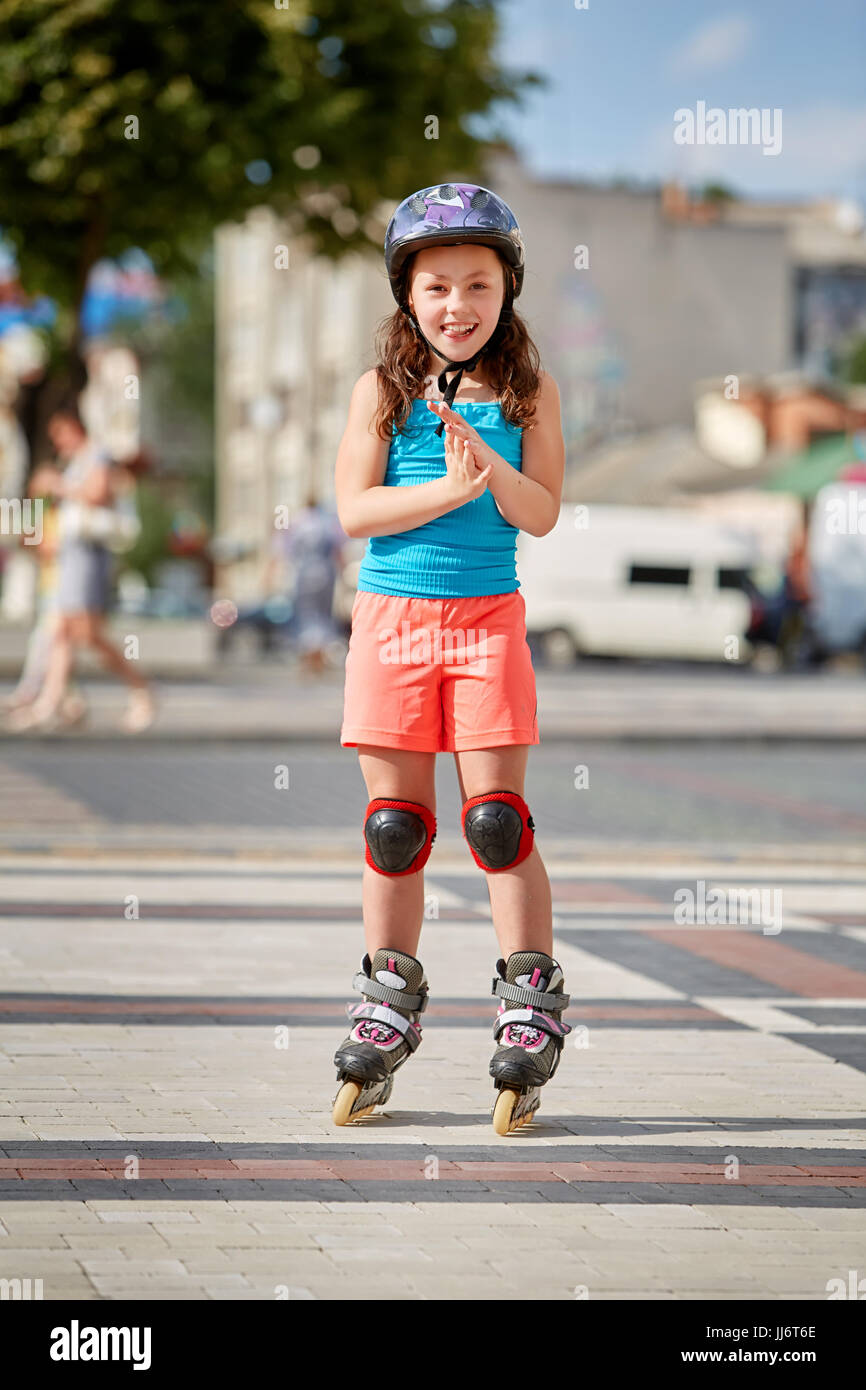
483,453
466,480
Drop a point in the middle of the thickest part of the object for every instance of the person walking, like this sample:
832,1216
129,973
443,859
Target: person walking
84,577
313,546
438,659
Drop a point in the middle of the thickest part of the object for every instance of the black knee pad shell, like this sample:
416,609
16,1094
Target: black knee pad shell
399,836
499,830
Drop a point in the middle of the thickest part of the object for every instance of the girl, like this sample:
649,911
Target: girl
438,659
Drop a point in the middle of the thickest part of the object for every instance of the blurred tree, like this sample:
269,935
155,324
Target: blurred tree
176,350
146,122
851,366
155,515
718,193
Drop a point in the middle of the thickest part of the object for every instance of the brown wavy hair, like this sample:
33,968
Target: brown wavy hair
403,364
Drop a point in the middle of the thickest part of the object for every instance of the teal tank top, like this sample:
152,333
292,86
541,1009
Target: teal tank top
469,551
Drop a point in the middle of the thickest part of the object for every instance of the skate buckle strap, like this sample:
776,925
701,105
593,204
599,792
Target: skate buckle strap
519,994
415,1003
534,1018
382,1015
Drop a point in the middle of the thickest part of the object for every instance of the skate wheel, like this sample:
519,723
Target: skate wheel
503,1111
346,1098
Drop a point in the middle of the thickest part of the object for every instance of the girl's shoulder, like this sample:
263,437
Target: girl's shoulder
364,403
547,400
366,389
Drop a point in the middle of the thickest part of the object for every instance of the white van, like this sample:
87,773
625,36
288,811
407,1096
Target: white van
638,582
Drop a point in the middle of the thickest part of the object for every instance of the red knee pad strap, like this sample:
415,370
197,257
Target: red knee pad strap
504,840
423,853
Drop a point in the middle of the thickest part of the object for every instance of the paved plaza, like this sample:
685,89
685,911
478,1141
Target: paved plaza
171,1003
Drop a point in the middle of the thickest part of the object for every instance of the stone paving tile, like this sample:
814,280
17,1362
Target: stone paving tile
264,1240
402,1256
664,1217
28,1239
84,1292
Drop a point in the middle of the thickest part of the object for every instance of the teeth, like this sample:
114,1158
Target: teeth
459,332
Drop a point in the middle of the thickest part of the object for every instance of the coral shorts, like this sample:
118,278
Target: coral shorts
439,674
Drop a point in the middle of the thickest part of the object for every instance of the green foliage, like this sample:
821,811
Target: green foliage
132,122
718,193
186,352
852,368
151,547
177,354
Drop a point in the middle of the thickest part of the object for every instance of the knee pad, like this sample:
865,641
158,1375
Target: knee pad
498,829
399,836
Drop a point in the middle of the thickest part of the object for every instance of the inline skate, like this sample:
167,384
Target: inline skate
529,1038
386,1032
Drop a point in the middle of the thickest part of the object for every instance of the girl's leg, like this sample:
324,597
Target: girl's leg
519,897
394,906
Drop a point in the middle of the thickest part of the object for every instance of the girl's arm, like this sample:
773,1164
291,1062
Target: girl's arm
365,506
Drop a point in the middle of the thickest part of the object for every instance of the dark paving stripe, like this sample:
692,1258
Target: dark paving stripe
727,961
185,1009
648,954
554,1151
417,1170
421,1189
497,1172
849,1048
852,1014
203,912
831,946
792,968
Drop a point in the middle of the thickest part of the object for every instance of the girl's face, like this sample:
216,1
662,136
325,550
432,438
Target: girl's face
455,288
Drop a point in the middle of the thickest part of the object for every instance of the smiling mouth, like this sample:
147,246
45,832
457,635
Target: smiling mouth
459,334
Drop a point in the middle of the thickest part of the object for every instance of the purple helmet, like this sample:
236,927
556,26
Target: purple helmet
449,214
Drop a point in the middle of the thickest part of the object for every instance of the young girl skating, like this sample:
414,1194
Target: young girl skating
438,659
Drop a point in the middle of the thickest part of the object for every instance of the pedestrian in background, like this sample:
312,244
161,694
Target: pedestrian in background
84,575
313,547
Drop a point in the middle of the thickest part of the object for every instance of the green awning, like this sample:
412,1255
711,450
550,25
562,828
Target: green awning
807,472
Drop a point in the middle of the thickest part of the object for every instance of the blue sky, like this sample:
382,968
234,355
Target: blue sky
619,69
